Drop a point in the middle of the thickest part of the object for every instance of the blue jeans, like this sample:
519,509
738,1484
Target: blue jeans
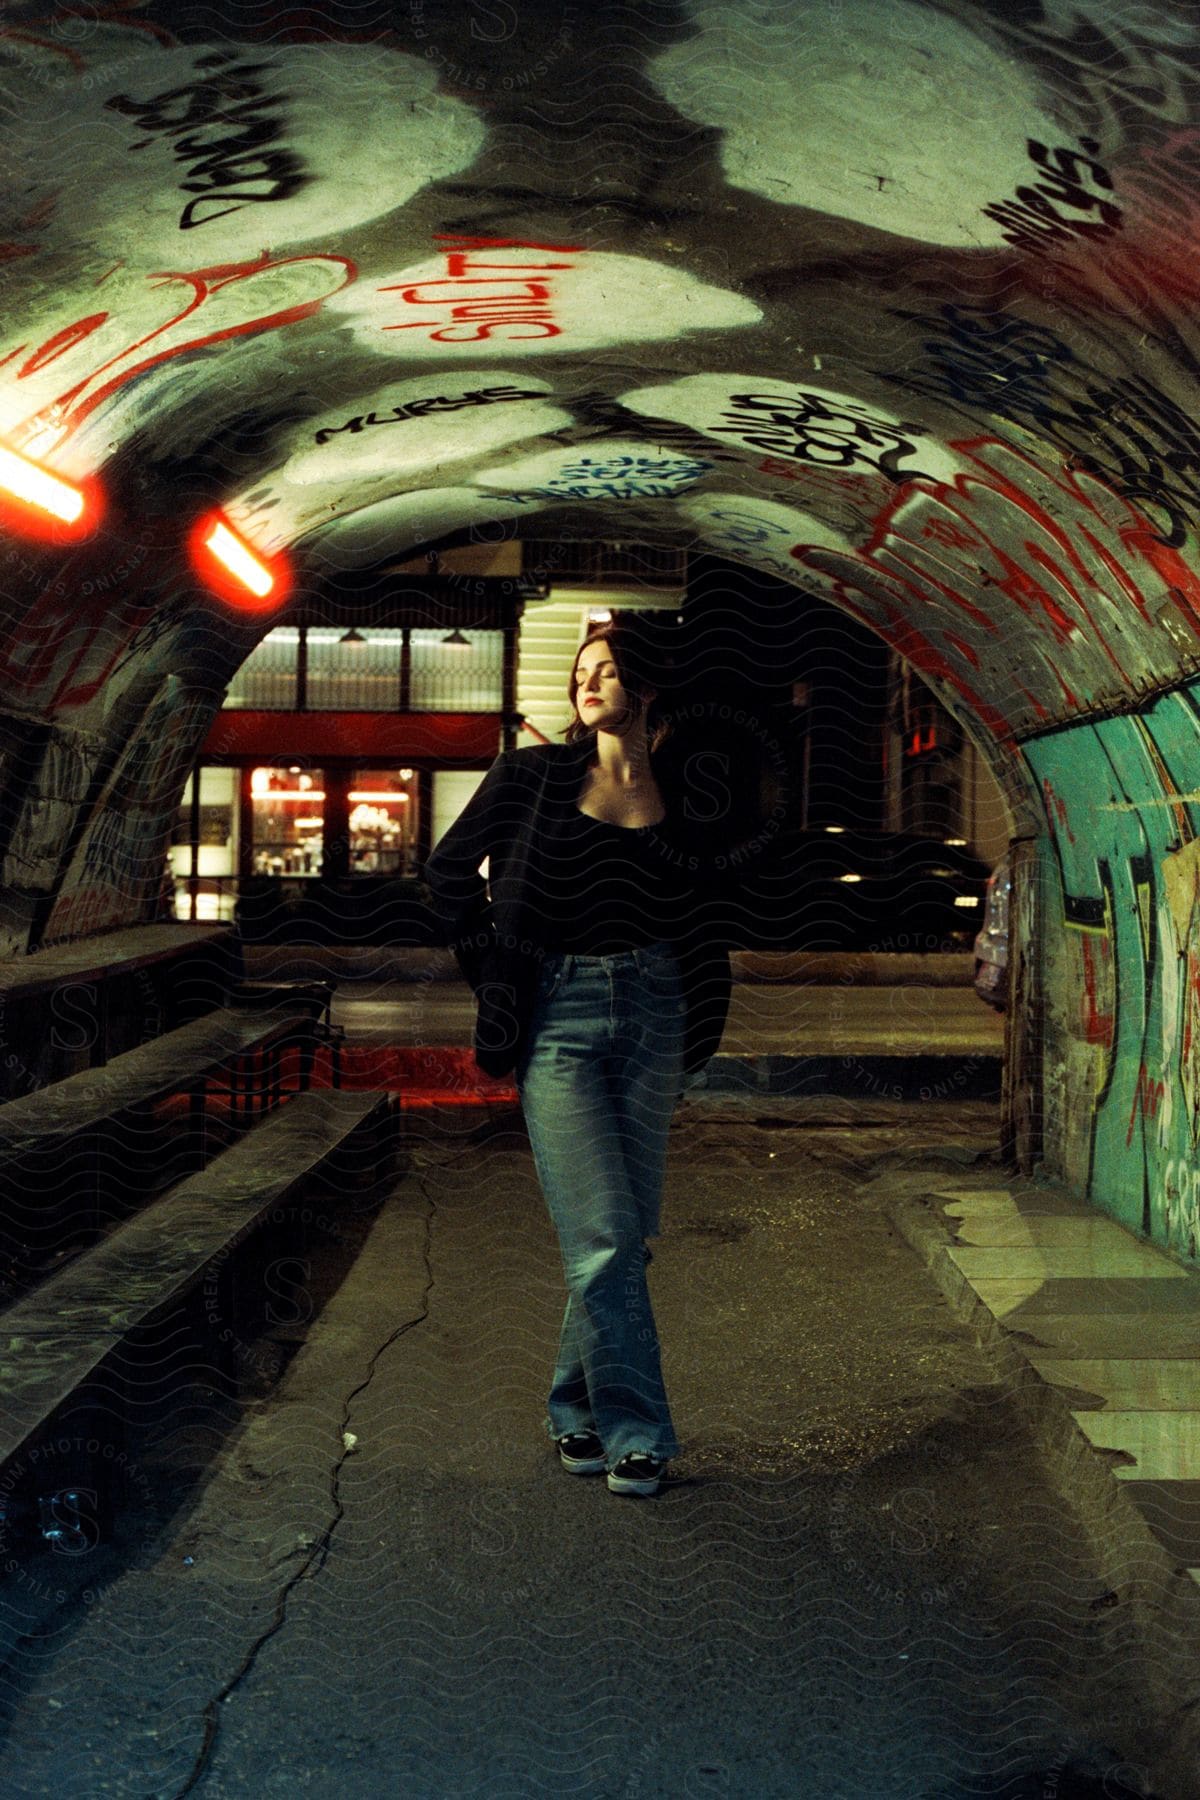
599,1080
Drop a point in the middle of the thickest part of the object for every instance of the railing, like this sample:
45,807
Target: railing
304,669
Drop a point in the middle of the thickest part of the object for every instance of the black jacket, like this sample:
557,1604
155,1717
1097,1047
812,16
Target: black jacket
496,940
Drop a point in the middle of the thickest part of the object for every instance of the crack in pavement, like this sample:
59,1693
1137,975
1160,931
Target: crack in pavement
319,1550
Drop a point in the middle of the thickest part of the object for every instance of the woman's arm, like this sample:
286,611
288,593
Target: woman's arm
458,892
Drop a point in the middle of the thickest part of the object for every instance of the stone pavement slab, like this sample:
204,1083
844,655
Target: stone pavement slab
1109,1322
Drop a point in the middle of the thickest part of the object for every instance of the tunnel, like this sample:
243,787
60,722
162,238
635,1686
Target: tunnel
888,303
360,297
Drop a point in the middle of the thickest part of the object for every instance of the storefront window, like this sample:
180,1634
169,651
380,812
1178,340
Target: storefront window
457,671
383,822
288,807
216,853
267,678
354,671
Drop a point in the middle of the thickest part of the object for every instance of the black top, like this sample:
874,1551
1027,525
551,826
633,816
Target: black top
603,888
523,803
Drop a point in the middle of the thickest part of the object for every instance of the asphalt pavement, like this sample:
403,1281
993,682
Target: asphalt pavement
871,1575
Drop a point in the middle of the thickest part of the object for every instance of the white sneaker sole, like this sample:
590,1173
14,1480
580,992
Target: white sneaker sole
630,1484
591,1466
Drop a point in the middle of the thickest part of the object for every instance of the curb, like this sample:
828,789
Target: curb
1160,1595
974,1076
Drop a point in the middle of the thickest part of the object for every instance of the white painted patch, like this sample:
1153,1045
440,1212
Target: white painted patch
205,154
805,427
97,343
394,526
472,301
613,469
888,113
412,429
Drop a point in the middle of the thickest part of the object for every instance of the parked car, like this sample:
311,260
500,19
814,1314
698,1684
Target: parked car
991,945
833,889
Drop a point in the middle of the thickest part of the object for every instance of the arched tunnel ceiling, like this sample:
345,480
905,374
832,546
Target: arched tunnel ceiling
893,300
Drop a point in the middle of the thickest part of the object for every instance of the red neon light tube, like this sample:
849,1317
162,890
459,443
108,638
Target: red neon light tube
231,566
45,501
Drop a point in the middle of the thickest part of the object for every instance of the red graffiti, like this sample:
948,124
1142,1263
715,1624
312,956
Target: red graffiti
1056,810
866,490
1146,1100
1098,1027
190,324
517,308
947,551
13,248
77,642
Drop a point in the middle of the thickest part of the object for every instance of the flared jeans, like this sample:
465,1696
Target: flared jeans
599,1081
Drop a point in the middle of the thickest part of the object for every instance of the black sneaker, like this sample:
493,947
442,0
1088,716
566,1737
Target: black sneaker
636,1473
581,1453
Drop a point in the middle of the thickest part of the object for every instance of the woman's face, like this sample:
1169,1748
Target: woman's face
600,700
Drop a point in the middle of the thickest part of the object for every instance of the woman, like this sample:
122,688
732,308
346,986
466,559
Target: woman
599,984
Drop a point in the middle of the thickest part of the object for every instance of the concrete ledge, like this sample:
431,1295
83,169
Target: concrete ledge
855,968
949,1077
815,968
1160,1597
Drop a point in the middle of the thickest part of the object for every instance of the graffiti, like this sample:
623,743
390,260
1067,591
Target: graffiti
1099,1016
599,410
1127,66
93,356
625,477
1073,560
1128,1062
420,409
522,309
864,151
760,532
115,851
253,149
864,488
11,249
1147,1098
47,808
546,298
225,129
1035,218
814,427
1122,427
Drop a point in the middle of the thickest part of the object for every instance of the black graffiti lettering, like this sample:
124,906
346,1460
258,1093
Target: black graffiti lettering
1122,428
202,99
225,131
419,409
1034,218
807,428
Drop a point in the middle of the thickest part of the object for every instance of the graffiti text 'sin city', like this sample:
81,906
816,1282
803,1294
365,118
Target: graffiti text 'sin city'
513,307
225,128
816,428
419,409
1035,217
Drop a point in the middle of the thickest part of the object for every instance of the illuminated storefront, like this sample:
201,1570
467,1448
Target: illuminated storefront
325,762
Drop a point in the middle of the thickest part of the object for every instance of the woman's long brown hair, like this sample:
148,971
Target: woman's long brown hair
636,673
